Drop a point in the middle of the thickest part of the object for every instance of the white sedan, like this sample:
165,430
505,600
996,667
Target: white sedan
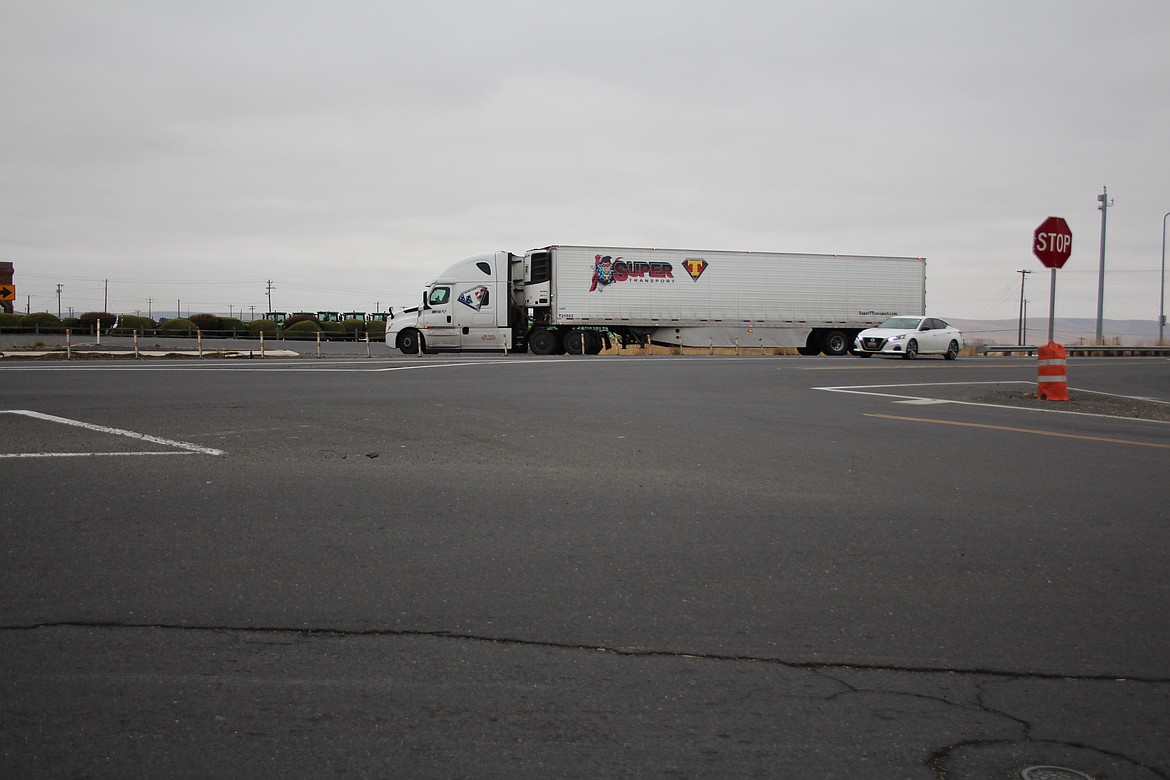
909,337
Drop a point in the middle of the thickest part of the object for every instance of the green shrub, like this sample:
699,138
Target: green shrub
232,326
305,329
205,322
71,322
333,330
376,330
9,320
42,321
91,318
267,327
296,318
129,323
177,326
354,326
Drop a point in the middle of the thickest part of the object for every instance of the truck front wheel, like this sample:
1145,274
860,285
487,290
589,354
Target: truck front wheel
409,341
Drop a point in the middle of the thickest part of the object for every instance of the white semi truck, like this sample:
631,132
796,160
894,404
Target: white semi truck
578,299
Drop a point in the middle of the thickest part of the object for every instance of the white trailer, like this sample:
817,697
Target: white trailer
580,298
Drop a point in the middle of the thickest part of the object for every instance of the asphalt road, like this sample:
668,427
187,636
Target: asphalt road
518,567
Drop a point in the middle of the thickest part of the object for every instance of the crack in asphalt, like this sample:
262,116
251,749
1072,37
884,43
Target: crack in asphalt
637,652
936,762
940,757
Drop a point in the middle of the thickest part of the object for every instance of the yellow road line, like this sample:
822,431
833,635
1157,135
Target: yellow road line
1022,430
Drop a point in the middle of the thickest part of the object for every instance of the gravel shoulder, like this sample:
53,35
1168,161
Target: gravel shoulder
1080,401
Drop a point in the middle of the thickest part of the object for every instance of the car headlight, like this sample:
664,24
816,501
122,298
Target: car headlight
898,337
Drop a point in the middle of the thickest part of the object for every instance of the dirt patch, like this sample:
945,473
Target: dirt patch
1079,401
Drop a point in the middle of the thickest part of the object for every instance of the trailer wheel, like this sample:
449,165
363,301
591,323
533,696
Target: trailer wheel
544,342
409,340
835,343
577,341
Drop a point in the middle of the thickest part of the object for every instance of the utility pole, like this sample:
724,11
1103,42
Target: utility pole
1105,202
58,301
149,303
270,295
106,305
1020,334
1162,296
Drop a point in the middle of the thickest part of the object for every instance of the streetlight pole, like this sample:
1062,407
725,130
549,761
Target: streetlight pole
1020,333
1105,202
1162,297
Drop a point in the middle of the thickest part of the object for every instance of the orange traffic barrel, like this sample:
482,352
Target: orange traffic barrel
1052,375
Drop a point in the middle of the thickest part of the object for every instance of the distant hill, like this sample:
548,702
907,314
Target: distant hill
1065,331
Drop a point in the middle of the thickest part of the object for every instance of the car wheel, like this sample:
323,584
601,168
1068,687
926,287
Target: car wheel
409,341
911,350
952,351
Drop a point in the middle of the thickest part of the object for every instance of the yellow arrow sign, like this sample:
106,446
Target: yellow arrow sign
7,292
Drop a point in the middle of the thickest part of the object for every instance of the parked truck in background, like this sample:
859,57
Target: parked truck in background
578,299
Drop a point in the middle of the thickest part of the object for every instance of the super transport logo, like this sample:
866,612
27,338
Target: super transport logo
609,270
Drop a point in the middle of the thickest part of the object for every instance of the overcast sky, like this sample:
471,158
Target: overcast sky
350,150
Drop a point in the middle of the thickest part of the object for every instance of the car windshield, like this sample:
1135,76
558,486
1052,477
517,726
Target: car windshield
901,323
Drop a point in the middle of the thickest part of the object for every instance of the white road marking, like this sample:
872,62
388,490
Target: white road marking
84,454
912,399
182,445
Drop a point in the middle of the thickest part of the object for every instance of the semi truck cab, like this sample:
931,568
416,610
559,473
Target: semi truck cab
472,305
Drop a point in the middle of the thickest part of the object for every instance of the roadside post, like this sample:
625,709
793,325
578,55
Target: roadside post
1052,245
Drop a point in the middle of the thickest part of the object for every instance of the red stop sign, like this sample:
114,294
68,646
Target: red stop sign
1052,242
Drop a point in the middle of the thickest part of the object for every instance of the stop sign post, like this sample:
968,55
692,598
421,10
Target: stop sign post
1052,245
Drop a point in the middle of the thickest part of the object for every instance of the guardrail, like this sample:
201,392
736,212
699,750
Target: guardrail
1084,350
